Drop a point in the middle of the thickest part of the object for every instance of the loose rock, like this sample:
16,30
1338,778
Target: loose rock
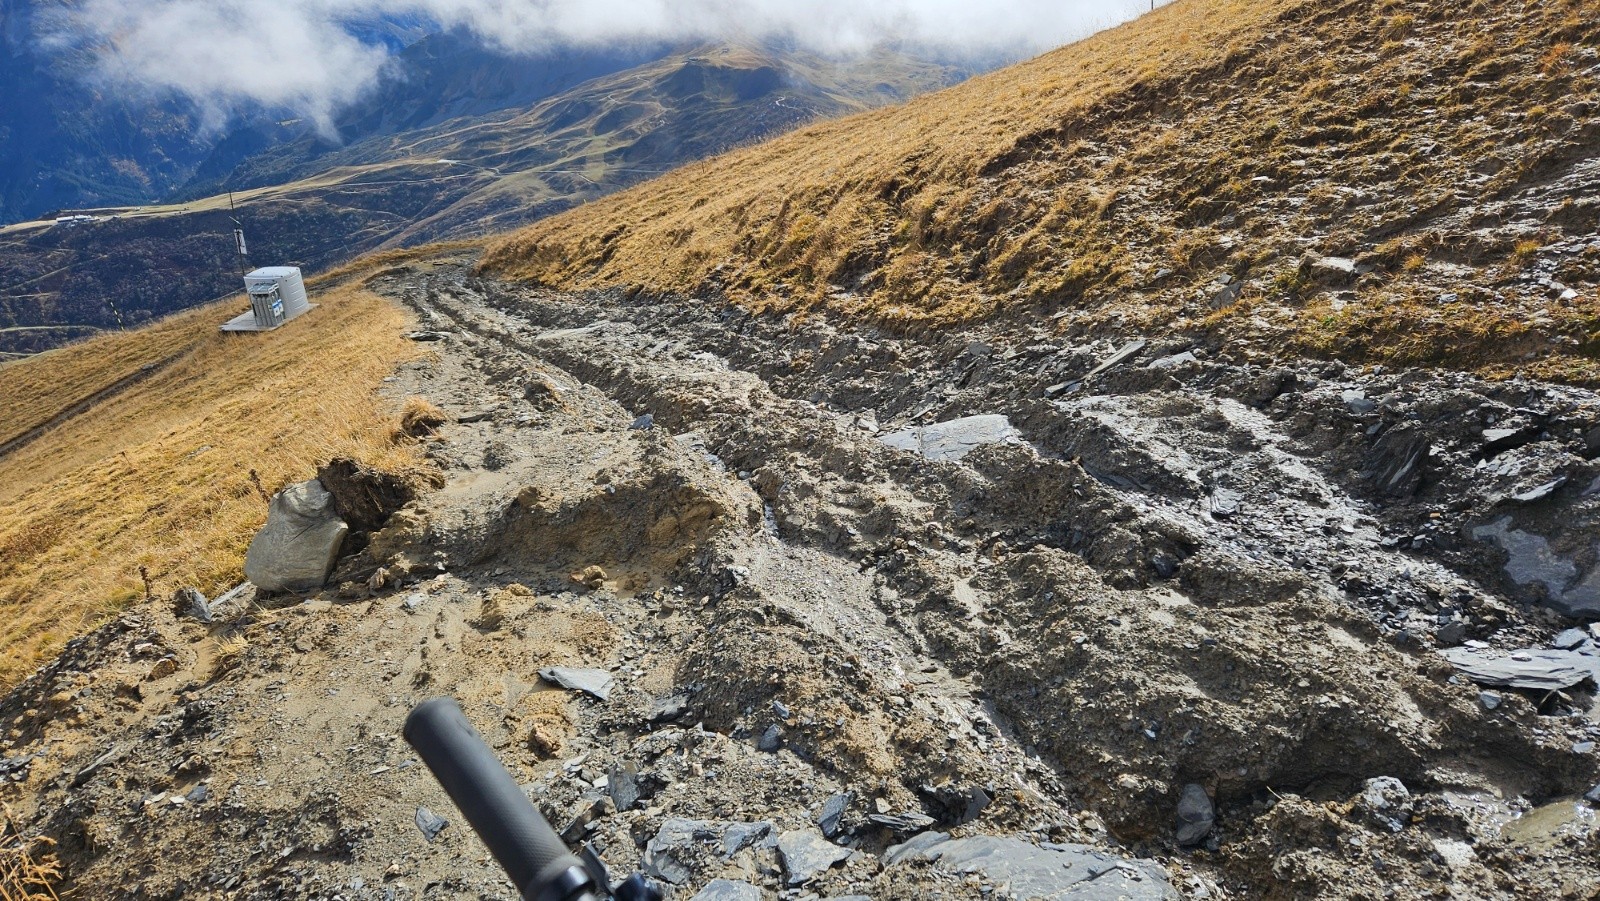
298,546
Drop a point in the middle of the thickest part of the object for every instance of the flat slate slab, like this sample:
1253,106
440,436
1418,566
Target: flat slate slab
806,855
1545,670
595,682
728,890
1053,873
952,440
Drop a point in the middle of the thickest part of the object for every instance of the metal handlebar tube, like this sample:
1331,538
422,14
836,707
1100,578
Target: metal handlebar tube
539,864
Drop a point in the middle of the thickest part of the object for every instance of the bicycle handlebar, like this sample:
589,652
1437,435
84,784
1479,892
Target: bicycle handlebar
539,864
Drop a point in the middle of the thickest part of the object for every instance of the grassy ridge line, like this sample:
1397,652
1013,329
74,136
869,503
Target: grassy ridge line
760,216
1119,182
158,475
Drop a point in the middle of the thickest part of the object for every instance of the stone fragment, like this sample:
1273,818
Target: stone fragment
1053,873
190,602
1539,492
643,423
298,546
1358,402
622,784
953,440
902,823
913,847
1531,560
1570,639
596,682
430,824
727,890
1175,361
1540,670
806,855
1196,815
742,835
666,853
771,739
668,708
832,812
1388,801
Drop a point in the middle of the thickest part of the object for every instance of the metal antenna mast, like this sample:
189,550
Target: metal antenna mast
238,236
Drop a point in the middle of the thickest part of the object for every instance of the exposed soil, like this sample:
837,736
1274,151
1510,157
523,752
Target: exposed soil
1193,572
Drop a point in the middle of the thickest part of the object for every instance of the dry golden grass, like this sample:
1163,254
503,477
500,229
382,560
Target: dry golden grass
29,870
163,476
803,209
1205,139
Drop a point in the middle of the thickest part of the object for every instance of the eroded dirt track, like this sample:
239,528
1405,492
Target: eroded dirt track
1181,571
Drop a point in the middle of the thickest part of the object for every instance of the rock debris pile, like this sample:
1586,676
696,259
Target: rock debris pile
772,610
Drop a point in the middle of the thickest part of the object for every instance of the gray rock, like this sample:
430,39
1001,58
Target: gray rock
622,784
1532,561
1331,268
1451,633
1388,801
190,602
596,682
1583,747
430,823
902,823
953,440
1491,700
1570,639
832,812
1539,492
727,890
914,847
978,801
742,835
668,708
16,768
1226,295
770,739
806,855
665,854
643,423
1223,503
296,549
1196,815
1593,796
1358,402
1173,362
1539,670
1055,873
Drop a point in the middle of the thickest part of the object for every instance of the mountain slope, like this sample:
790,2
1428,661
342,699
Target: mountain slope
143,451
460,178
1395,181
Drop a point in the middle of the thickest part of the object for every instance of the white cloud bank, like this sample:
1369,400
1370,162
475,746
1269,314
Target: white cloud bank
297,54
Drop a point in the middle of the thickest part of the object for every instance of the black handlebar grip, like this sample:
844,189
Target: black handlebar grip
539,864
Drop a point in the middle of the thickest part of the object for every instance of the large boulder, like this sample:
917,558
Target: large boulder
298,546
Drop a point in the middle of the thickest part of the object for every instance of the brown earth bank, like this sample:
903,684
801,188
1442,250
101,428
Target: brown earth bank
1181,581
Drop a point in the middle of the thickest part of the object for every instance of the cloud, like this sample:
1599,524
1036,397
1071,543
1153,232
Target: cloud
299,55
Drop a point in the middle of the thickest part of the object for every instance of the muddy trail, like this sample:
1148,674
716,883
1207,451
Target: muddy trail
974,616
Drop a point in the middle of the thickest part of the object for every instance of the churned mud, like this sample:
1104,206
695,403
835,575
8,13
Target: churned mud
1182,583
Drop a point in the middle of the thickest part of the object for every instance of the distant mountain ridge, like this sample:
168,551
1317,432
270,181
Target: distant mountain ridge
411,170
